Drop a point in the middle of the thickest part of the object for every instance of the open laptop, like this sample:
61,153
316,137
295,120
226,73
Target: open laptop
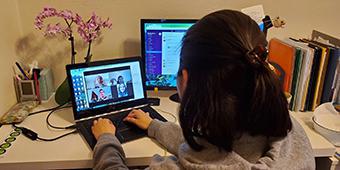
108,89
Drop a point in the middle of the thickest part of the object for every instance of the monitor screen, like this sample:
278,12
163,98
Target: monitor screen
161,42
107,84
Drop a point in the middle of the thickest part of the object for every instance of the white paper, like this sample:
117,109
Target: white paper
255,12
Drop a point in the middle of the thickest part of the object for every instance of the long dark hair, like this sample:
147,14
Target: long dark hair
231,89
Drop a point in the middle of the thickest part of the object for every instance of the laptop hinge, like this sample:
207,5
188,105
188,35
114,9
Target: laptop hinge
110,113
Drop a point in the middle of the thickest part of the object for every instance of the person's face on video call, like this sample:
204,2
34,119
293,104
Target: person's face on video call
100,79
122,88
120,80
101,93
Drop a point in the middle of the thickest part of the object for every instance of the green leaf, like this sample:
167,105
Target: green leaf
62,95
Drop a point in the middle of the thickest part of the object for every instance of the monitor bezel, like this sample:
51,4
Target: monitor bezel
142,30
106,109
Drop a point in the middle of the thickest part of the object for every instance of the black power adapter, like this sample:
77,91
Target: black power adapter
28,133
154,101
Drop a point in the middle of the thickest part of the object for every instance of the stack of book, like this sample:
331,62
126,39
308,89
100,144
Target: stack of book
308,69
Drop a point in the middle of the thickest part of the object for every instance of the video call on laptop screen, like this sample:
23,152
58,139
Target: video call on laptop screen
100,86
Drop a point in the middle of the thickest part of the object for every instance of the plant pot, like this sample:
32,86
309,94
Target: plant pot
63,94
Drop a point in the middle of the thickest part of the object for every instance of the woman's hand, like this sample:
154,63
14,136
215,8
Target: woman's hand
139,118
102,126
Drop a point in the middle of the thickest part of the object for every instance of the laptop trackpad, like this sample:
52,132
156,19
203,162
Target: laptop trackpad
127,132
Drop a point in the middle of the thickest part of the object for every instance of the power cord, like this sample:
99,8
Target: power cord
58,127
56,138
166,112
34,136
45,110
52,110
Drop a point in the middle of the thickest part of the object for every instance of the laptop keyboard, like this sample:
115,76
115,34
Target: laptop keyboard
125,130
117,118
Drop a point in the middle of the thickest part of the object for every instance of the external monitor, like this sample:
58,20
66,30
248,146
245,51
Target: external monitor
161,41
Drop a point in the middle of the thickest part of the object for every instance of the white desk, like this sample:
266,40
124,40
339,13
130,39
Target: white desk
322,148
73,152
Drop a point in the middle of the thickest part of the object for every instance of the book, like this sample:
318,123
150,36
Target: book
334,56
283,55
320,74
329,76
296,73
336,88
313,78
303,74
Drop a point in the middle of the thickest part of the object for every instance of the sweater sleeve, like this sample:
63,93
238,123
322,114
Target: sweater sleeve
167,134
108,153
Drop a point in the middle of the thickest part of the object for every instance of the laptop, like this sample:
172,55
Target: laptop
108,89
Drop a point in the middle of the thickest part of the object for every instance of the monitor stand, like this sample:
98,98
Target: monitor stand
174,98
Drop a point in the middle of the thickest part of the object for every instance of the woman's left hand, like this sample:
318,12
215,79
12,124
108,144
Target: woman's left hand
102,126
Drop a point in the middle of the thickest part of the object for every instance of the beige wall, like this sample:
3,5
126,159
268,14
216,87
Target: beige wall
10,32
124,39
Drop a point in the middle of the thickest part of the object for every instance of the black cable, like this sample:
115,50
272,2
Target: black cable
45,110
61,136
34,136
58,127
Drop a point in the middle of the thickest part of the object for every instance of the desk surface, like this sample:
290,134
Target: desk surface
321,146
73,152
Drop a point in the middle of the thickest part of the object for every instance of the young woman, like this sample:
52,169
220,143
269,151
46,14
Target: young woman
94,97
233,113
99,82
122,90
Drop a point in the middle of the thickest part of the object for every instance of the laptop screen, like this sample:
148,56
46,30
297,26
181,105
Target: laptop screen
103,84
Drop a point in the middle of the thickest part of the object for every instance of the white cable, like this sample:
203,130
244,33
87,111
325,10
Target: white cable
172,115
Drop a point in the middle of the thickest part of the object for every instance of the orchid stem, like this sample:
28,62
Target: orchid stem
88,55
73,52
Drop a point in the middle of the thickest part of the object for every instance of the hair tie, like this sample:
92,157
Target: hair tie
257,56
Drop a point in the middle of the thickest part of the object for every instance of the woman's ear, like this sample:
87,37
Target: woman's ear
184,78
182,82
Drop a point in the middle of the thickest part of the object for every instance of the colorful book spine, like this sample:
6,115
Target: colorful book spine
296,75
334,57
283,55
313,78
320,77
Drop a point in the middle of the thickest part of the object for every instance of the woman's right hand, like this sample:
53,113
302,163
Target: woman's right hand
139,118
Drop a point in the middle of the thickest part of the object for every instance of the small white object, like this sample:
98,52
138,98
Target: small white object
326,121
255,12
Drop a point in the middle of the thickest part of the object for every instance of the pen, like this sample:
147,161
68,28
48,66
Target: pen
21,70
17,77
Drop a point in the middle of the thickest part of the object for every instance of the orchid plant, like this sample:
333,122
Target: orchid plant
88,30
